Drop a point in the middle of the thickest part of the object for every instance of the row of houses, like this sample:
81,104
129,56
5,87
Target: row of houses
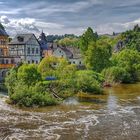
29,49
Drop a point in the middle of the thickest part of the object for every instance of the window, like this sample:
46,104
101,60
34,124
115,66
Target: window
28,50
33,50
37,51
80,63
12,61
7,61
2,61
32,61
28,62
73,62
36,62
3,73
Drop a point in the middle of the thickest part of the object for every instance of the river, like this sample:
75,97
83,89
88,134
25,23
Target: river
113,116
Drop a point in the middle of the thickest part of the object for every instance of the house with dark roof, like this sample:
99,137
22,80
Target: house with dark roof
27,47
46,47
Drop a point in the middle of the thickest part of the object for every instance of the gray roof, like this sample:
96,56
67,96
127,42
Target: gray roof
3,32
67,52
75,51
21,39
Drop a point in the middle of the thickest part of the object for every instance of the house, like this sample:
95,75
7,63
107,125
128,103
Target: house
6,61
27,47
72,54
46,47
3,42
77,58
43,44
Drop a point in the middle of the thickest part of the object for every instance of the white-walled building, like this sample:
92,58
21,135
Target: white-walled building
27,47
72,54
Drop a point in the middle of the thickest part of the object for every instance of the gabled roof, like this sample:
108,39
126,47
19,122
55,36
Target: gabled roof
3,32
21,39
75,51
67,52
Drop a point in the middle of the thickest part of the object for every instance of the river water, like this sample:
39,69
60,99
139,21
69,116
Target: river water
113,116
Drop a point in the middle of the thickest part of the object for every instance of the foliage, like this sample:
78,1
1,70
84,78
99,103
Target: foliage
98,56
67,41
10,80
116,74
47,66
53,38
28,74
85,40
87,81
27,88
127,61
30,96
132,38
112,41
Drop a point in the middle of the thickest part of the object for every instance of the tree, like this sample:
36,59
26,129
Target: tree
98,56
131,38
10,80
67,41
28,74
129,60
87,81
47,66
88,37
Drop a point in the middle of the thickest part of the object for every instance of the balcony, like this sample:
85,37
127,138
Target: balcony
6,66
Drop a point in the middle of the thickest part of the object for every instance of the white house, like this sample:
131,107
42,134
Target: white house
27,47
72,54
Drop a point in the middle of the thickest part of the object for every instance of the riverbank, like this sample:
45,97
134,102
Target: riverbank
114,115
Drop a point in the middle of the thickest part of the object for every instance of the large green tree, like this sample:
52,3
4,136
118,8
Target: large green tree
98,56
131,38
130,61
88,37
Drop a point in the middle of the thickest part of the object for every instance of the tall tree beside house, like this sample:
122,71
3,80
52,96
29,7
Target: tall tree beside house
98,55
88,37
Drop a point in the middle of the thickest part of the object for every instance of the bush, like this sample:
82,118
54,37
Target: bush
86,81
127,61
117,75
29,96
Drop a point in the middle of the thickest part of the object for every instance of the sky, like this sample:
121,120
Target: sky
68,16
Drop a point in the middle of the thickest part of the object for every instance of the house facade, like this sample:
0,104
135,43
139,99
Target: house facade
72,54
6,61
27,47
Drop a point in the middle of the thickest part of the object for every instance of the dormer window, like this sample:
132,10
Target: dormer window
20,38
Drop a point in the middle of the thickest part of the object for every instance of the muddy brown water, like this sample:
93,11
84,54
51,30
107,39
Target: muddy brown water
113,116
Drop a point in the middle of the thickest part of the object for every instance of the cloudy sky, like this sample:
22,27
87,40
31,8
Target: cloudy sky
68,16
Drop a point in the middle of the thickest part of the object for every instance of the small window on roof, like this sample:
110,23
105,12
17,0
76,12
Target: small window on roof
20,38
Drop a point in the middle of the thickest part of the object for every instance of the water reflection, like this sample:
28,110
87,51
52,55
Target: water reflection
112,103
